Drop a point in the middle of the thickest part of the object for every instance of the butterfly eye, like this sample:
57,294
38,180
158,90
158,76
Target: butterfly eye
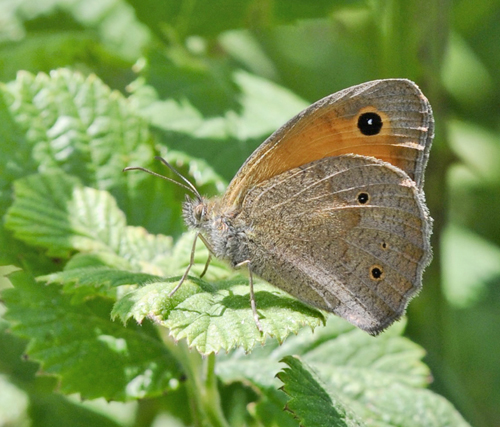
376,272
363,198
370,124
199,212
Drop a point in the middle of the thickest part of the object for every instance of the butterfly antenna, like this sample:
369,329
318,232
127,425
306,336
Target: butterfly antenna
189,187
189,183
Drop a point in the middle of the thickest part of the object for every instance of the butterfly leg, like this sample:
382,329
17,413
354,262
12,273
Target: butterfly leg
210,252
252,294
191,262
206,265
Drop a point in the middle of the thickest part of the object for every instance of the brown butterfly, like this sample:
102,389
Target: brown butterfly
330,208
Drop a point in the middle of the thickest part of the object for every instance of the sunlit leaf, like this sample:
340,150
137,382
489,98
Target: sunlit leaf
88,352
310,402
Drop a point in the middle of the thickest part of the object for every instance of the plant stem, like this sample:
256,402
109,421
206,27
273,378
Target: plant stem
201,384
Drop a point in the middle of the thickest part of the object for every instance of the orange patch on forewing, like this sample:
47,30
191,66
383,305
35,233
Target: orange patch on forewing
330,128
323,134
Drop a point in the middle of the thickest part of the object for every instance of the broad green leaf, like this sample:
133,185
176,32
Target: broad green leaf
263,107
207,83
352,359
109,21
215,316
399,405
309,402
53,211
364,372
45,50
83,283
53,409
77,124
390,406
224,140
210,18
464,286
88,352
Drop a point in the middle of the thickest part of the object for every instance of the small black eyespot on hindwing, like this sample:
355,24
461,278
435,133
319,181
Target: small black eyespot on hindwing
363,198
384,245
370,124
376,272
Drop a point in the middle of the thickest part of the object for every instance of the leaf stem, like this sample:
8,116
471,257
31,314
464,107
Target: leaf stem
201,384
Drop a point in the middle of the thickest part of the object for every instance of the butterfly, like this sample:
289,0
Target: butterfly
330,208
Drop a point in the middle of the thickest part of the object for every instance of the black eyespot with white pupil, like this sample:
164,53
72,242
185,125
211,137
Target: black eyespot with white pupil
363,198
370,124
376,272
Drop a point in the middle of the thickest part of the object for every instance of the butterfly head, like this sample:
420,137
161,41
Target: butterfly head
196,212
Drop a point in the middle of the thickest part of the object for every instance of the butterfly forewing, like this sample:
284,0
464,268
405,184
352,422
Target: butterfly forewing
387,119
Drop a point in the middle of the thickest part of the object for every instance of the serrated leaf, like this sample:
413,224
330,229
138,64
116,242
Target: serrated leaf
55,212
83,283
350,358
80,344
218,316
210,316
105,276
40,215
309,402
386,405
365,372
67,122
76,124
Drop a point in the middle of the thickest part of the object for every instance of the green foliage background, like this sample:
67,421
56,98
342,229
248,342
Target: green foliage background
203,83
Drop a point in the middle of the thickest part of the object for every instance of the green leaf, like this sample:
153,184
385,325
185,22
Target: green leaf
200,18
263,107
211,18
364,372
44,50
464,286
225,140
310,403
87,282
399,405
105,276
52,409
54,211
215,316
77,124
81,345
393,405
349,357
109,22
66,122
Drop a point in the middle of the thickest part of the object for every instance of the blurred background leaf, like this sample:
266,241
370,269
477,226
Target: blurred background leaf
213,79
